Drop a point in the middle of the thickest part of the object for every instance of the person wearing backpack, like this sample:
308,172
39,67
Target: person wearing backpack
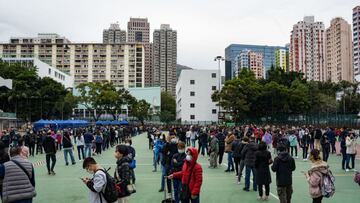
315,176
68,144
97,183
123,173
18,179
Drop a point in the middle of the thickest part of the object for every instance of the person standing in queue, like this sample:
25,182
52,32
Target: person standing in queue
191,177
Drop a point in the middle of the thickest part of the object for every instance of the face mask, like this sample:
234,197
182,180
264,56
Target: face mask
173,140
91,172
188,157
127,144
181,151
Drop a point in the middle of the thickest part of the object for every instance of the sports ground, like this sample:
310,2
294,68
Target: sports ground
66,187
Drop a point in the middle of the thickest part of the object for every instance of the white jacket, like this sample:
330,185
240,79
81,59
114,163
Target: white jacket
350,145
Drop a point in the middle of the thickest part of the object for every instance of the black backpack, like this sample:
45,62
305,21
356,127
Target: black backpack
110,193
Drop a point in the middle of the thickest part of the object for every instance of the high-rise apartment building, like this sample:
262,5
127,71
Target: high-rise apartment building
356,40
307,48
139,32
122,64
339,52
251,60
281,56
114,34
164,58
233,50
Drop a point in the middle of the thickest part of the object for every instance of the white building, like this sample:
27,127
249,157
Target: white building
44,70
6,83
193,96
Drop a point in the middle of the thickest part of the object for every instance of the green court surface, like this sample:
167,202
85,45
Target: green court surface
66,187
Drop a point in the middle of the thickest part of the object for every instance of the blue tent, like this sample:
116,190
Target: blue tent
56,124
124,122
114,122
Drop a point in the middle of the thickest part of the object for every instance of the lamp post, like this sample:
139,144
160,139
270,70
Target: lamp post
219,59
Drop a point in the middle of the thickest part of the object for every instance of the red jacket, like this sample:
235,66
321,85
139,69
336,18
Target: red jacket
196,177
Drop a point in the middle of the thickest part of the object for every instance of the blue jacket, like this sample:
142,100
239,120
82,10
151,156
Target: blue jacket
158,146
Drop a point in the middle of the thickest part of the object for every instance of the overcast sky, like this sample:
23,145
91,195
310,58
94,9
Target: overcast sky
205,27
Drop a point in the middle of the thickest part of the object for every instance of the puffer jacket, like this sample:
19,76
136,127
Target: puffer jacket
315,177
248,153
196,176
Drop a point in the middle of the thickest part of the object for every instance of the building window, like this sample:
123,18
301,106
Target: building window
192,82
192,94
49,71
192,117
213,87
213,75
214,111
192,105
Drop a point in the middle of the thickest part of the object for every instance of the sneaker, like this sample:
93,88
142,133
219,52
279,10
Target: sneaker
346,170
53,173
74,163
266,198
154,170
296,157
259,198
238,182
161,190
49,173
226,171
67,164
245,189
232,170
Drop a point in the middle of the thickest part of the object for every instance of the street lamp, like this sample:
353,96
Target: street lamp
219,59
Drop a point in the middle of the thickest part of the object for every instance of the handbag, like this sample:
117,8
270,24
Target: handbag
131,188
185,193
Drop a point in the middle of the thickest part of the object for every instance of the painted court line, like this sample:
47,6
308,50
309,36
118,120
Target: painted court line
275,196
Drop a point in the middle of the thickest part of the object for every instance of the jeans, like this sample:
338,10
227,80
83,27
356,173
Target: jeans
31,149
156,158
241,168
53,160
193,142
168,182
66,152
305,152
177,186
230,161
333,148
204,148
196,200
352,158
81,151
237,163
344,164
325,151
88,149
267,190
221,154
285,193
248,170
188,141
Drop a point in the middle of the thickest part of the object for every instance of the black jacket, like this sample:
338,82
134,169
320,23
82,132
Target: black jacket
283,165
179,157
67,142
169,150
305,140
248,153
49,145
221,137
123,174
262,162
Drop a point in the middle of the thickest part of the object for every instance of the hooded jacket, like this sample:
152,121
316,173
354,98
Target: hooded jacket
316,172
196,173
283,166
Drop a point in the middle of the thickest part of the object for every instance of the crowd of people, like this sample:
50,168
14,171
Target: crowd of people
251,148
175,149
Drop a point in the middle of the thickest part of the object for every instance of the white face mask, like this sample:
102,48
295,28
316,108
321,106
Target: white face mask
181,151
188,157
173,140
127,144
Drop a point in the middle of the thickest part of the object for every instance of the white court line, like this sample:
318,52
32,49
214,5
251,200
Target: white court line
275,196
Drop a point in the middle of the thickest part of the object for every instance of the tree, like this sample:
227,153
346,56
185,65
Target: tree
168,108
140,110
